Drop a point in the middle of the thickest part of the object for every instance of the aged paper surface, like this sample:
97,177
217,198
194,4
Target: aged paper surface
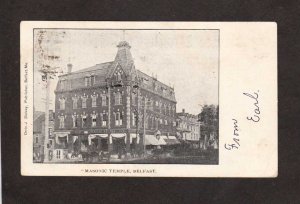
150,99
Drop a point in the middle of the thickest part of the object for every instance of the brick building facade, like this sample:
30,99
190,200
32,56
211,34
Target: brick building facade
111,105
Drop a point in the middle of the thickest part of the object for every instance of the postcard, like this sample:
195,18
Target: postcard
149,99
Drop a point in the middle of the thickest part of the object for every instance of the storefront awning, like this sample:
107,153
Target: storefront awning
118,135
61,134
162,141
171,140
151,140
98,135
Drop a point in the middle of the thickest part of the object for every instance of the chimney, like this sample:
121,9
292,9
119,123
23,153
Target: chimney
69,68
183,110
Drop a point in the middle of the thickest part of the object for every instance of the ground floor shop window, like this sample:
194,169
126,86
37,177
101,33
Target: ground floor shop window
118,145
62,141
104,144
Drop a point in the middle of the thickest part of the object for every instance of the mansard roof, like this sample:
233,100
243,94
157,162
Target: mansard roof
153,85
105,70
98,69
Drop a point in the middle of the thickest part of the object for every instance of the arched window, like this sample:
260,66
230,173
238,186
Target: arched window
74,117
103,118
134,119
118,118
133,99
61,121
75,102
83,120
118,98
83,101
94,100
104,99
94,119
62,103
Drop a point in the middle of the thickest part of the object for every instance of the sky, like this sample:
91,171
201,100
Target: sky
185,59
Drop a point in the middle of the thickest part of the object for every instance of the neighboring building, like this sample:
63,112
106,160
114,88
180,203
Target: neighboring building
39,134
99,105
209,118
188,127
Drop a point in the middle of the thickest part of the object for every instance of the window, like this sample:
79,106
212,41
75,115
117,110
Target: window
121,119
134,118
118,98
61,121
62,103
50,132
160,121
37,140
94,100
163,91
87,81
94,119
104,119
83,100
94,122
51,142
74,117
166,122
63,84
118,119
104,99
133,99
83,117
152,123
145,81
160,105
75,102
93,80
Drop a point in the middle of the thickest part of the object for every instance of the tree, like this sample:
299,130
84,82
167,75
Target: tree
209,118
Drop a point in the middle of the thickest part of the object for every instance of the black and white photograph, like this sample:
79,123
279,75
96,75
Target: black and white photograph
153,99
133,96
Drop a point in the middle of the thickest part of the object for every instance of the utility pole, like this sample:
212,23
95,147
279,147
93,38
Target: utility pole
45,60
144,128
138,115
46,140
